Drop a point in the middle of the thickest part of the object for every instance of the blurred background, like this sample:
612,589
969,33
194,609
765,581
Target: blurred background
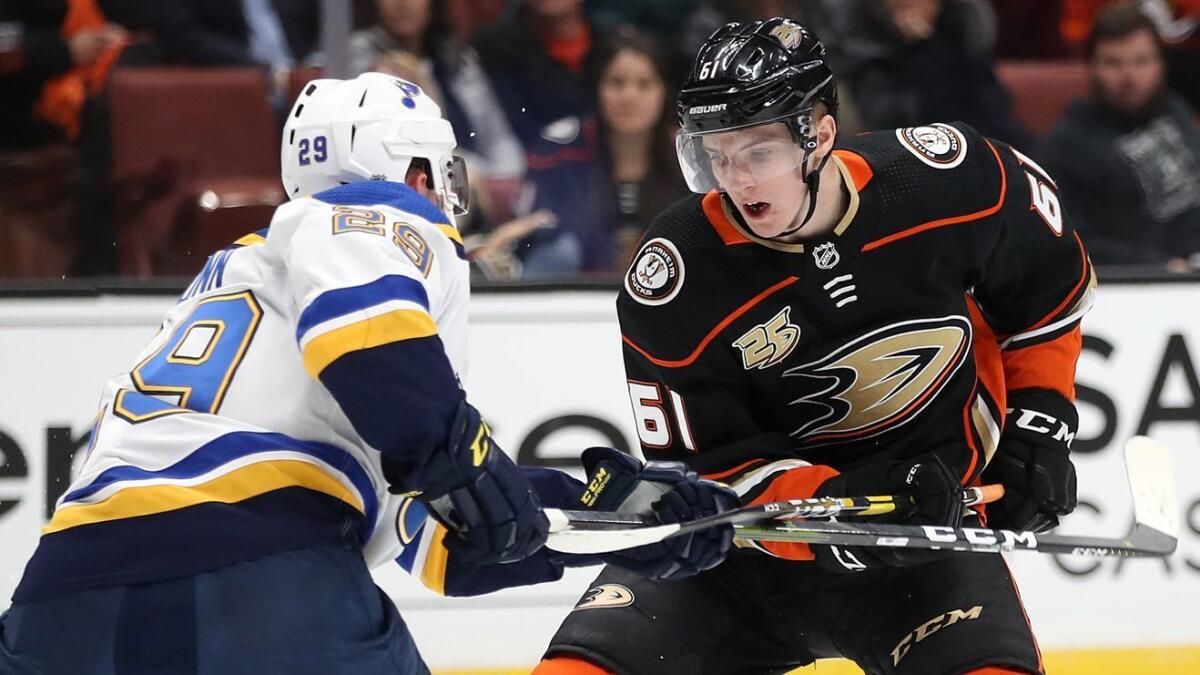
137,137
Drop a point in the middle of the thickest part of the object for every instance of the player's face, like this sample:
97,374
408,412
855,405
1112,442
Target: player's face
404,18
760,169
1128,73
631,94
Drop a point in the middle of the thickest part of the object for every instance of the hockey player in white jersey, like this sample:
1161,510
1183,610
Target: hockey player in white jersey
298,418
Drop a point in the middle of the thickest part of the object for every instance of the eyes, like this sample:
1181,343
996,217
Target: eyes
752,156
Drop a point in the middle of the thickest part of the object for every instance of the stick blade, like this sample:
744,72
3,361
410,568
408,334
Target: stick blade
576,532
1151,471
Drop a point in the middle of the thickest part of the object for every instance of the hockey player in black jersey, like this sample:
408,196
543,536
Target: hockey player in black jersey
899,315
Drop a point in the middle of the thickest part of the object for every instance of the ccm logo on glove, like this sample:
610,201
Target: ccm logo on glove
1041,423
595,486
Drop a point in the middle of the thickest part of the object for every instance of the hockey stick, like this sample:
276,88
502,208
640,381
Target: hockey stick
1155,532
1149,466
603,531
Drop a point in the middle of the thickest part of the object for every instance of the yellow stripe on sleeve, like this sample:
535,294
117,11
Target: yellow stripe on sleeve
433,573
401,324
451,232
237,485
251,239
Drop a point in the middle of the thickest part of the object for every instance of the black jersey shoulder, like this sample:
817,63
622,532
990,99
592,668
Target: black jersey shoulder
689,274
929,176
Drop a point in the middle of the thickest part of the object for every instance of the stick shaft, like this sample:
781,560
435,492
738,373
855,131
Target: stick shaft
1141,540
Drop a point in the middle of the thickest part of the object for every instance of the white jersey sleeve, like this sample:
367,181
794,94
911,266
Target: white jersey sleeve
361,276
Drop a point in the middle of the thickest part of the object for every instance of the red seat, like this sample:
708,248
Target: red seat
37,232
1041,90
179,133
300,76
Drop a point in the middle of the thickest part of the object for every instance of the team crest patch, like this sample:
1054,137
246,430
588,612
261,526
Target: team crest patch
606,595
788,34
939,145
826,256
656,274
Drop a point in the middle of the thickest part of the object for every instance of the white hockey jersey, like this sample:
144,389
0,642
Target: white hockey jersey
220,444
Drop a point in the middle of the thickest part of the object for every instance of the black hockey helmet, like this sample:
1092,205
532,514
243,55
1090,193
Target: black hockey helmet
752,73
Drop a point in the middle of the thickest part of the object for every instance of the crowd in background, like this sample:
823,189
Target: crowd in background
564,110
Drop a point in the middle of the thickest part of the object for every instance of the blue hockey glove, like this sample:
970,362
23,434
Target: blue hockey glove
1033,462
938,497
474,489
619,482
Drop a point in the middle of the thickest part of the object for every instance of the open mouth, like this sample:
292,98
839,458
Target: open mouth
757,209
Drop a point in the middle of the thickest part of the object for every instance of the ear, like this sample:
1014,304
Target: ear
826,135
418,180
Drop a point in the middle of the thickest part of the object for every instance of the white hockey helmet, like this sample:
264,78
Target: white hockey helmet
369,128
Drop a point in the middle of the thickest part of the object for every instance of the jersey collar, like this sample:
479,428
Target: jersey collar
856,174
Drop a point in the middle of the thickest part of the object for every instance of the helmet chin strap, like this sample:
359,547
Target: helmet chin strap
813,181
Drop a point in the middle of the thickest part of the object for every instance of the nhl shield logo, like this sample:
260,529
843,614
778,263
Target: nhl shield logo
656,274
826,256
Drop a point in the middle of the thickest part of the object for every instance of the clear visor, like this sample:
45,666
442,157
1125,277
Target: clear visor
455,191
738,157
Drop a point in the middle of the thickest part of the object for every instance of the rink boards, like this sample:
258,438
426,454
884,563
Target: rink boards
546,371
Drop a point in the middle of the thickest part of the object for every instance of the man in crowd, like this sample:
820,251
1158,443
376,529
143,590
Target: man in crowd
1127,159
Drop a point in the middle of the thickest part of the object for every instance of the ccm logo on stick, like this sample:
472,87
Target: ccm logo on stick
979,536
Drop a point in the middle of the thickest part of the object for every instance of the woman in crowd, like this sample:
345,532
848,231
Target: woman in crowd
606,185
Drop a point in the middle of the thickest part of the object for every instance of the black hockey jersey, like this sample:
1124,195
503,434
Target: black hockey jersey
953,279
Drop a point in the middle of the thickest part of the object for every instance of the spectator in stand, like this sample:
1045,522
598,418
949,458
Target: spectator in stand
412,40
912,62
1127,160
66,49
536,61
275,34
55,65
605,189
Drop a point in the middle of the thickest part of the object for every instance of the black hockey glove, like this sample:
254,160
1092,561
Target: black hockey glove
619,482
473,488
938,501
1033,462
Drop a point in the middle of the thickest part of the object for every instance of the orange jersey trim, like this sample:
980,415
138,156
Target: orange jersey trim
712,334
860,172
715,211
568,665
798,483
729,472
942,222
1048,365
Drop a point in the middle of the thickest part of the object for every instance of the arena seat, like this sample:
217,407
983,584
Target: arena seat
37,233
1041,90
300,76
179,134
